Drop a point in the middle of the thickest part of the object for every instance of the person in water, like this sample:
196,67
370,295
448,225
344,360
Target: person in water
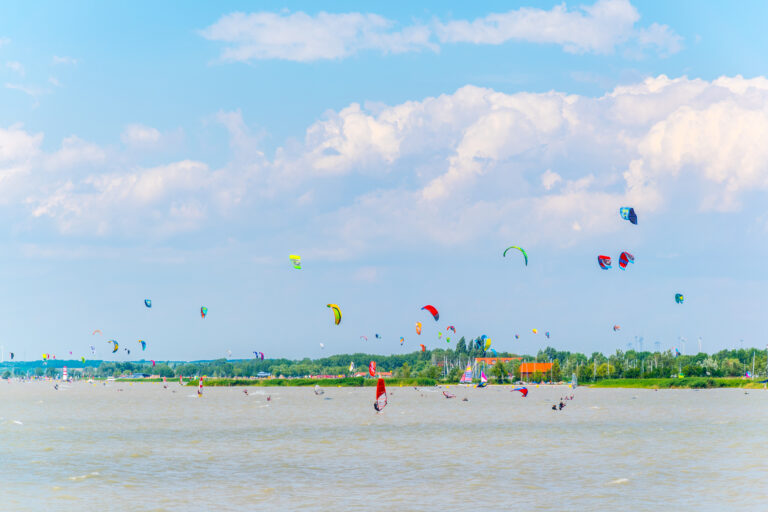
376,406
562,405
554,407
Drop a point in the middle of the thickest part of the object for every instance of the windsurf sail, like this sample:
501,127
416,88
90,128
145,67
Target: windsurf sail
381,395
200,387
448,395
467,377
483,380
523,391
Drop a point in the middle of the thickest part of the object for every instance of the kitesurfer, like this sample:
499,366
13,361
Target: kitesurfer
554,407
562,405
376,406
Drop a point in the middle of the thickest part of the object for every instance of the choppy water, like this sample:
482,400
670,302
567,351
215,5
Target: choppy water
92,447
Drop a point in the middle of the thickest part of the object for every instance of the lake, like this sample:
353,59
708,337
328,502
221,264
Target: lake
125,446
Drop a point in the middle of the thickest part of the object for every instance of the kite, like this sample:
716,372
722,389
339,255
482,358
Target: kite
432,311
447,339
517,336
625,259
148,303
439,335
535,331
604,262
82,359
378,337
364,338
322,346
451,328
12,355
93,349
402,340
296,260
679,298
336,313
523,391
546,334
616,328
381,396
96,331
418,328
115,346
372,368
423,348
153,364
260,355
143,345
487,344
203,311
629,214
519,249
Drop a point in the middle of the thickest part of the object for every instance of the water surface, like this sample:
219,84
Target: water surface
143,447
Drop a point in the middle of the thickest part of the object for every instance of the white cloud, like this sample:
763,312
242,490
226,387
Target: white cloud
302,37
597,28
101,203
451,169
29,90
64,60
54,81
140,135
549,179
15,66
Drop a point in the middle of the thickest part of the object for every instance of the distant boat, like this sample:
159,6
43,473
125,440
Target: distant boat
467,377
483,380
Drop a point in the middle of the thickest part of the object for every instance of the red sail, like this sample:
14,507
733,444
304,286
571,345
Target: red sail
381,394
372,368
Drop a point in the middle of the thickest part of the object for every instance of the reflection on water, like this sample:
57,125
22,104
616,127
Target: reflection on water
94,447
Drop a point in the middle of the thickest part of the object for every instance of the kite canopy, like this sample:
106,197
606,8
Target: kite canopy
451,328
372,368
148,303
115,345
96,331
604,262
418,328
296,260
517,336
423,348
546,334
519,249
336,313
203,311
535,331
616,328
625,259
378,337
402,340
258,355
432,311
364,338
523,391
628,213
143,344
679,298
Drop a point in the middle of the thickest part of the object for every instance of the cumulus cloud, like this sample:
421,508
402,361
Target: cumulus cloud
548,168
598,28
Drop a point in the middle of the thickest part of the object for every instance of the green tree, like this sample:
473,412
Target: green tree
405,370
430,372
499,371
556,373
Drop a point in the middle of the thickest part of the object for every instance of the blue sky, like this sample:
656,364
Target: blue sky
181,151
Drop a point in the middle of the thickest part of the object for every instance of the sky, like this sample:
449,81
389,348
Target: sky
181,151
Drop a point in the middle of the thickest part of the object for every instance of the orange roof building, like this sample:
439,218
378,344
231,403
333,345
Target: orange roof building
531,368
